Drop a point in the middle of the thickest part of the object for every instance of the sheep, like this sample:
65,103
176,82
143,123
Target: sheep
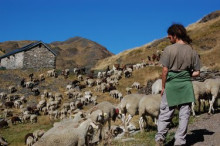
90,82
213,87
202,90
51,73
29,84
12,89
41,77
136,85
94,100
79,77
7,113
157,86
25,118
149,105
129,104
3,95
17,103
29,139
128,90
68,87
3,124
15,119
36,91
38,134
68,135
3,142
111,112
9,104
33,118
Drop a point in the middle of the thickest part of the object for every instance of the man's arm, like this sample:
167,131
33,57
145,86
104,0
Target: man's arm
164,78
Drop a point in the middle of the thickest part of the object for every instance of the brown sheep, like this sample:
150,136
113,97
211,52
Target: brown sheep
3,124
15,119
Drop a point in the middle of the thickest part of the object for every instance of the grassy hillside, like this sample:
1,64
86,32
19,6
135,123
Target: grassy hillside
206,40
53,85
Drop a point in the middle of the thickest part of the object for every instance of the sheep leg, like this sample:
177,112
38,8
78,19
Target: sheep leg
141,124
155,121
123,118
193,105
127,122
211,102
128,119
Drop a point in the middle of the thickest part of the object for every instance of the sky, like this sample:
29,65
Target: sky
118,25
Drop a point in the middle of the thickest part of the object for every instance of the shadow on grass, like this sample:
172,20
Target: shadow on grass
194,137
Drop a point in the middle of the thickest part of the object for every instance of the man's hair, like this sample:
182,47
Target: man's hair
179,31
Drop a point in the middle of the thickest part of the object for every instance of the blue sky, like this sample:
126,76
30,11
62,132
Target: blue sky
118,25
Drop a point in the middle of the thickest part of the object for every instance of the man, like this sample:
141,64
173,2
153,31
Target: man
180,63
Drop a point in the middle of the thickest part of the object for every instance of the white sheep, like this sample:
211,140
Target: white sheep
128,90
3,95
38,134
129,104
29,141
149,105
110,111
136,85
203,89
157,86
213,87
33,118
11,89
69,135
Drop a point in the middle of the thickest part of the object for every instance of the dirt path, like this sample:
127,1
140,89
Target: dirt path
205,131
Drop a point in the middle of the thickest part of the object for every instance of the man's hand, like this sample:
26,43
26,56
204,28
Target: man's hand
164,78
162,92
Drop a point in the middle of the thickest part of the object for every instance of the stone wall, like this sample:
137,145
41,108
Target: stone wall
13,62
39,57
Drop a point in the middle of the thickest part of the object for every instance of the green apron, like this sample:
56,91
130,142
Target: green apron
179,88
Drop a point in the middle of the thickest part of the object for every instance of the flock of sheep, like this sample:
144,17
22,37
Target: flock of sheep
79,127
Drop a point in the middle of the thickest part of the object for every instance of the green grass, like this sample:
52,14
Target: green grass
15,133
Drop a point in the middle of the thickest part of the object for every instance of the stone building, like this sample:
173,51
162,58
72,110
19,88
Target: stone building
34,55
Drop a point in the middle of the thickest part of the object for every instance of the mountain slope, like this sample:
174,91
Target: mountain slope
206,40
73,52
79,51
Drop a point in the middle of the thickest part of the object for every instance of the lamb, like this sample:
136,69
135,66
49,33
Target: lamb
69,136
129,104
157,86
149,105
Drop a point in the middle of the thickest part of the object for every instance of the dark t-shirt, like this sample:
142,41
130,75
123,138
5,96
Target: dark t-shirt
179,57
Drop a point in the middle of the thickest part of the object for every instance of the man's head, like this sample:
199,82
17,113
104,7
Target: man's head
177,31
